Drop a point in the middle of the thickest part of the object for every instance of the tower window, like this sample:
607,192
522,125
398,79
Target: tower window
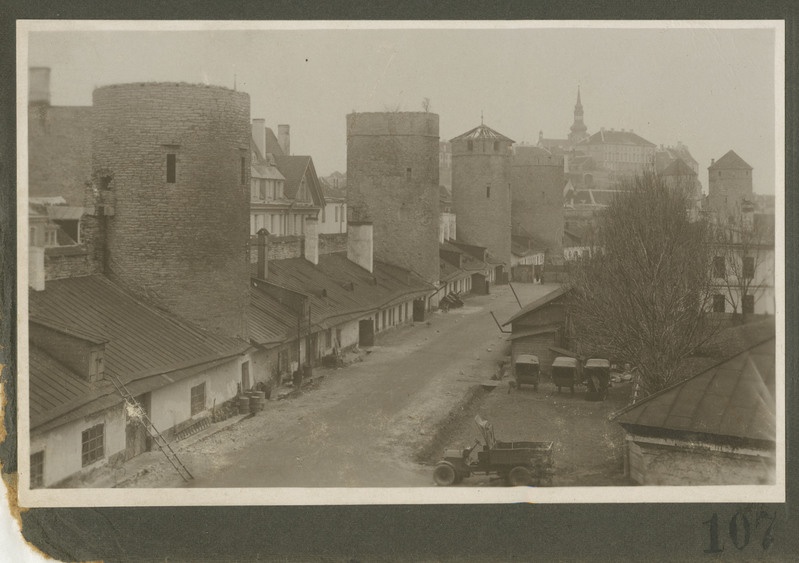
243,170
408,173
488,191
470,145
171,167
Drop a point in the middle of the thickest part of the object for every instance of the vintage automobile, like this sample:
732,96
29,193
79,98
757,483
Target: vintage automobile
518,463
565,372
527,370
597,378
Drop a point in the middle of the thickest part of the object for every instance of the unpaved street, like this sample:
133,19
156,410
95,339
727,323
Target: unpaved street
365,422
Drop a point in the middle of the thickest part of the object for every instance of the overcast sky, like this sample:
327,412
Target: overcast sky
712,89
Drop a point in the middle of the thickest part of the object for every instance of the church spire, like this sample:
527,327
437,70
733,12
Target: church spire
578,129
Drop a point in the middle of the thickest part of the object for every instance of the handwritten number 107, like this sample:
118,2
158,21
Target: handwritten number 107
740,530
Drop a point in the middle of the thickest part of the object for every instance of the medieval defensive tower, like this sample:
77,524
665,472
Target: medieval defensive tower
481,196
171,176
537,180
392,182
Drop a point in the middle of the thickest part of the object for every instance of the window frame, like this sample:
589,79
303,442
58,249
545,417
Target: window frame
92,446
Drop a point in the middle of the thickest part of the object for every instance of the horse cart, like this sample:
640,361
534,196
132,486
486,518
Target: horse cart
565,372
518,463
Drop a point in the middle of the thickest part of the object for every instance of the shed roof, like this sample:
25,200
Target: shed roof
732,399
538,303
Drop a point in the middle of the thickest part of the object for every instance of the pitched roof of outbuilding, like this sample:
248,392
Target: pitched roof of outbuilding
732,399
678,167
730,161
537,304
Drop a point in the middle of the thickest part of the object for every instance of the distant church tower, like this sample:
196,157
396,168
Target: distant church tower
578,129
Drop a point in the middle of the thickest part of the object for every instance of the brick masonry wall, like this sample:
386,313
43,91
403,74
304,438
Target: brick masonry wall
483,221
180,245
537,202
69,262
334,242
403,209
59,151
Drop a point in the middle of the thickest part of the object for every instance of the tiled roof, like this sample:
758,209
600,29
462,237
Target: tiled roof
482,132
142,342
733,399
616,138
538,303
730,161
340,289
678,168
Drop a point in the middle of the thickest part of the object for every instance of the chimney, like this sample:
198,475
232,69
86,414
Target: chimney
39,86
36,275
259,135
284,139
311,249
359,244
263,254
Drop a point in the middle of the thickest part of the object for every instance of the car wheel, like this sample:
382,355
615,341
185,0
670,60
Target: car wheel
444,474
519,477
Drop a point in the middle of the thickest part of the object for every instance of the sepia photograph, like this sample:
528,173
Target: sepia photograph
301,263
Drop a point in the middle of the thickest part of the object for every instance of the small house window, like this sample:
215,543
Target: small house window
749,267
171,167
718,303
37,470
748,304
488,191
92,444
198,398
719,268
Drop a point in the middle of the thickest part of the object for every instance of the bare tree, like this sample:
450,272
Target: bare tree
743,246
641,296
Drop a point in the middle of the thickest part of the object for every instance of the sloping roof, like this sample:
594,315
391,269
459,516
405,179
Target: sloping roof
448,272
468,262
328,286
678,167
536,331
270,321
525,245
141,341
294,168
482,132
605,137
272,146
64,212
730,161
733,399
538,303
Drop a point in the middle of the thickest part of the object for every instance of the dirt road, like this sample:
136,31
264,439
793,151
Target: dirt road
364,423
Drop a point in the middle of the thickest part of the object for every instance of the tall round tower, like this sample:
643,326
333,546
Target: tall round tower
392,182
171,169
481,195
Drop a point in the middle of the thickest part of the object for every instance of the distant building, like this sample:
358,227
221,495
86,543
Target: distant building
678,175
622,153
481,192
445,164
729,184
285,189
333,217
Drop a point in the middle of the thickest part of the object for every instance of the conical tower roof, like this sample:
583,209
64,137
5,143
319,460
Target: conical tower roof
730,161
482,132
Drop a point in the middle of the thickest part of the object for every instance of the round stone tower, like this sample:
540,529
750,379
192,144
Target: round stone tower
481,194
392,182
171,171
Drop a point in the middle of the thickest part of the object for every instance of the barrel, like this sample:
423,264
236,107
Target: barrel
244,404
257,401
